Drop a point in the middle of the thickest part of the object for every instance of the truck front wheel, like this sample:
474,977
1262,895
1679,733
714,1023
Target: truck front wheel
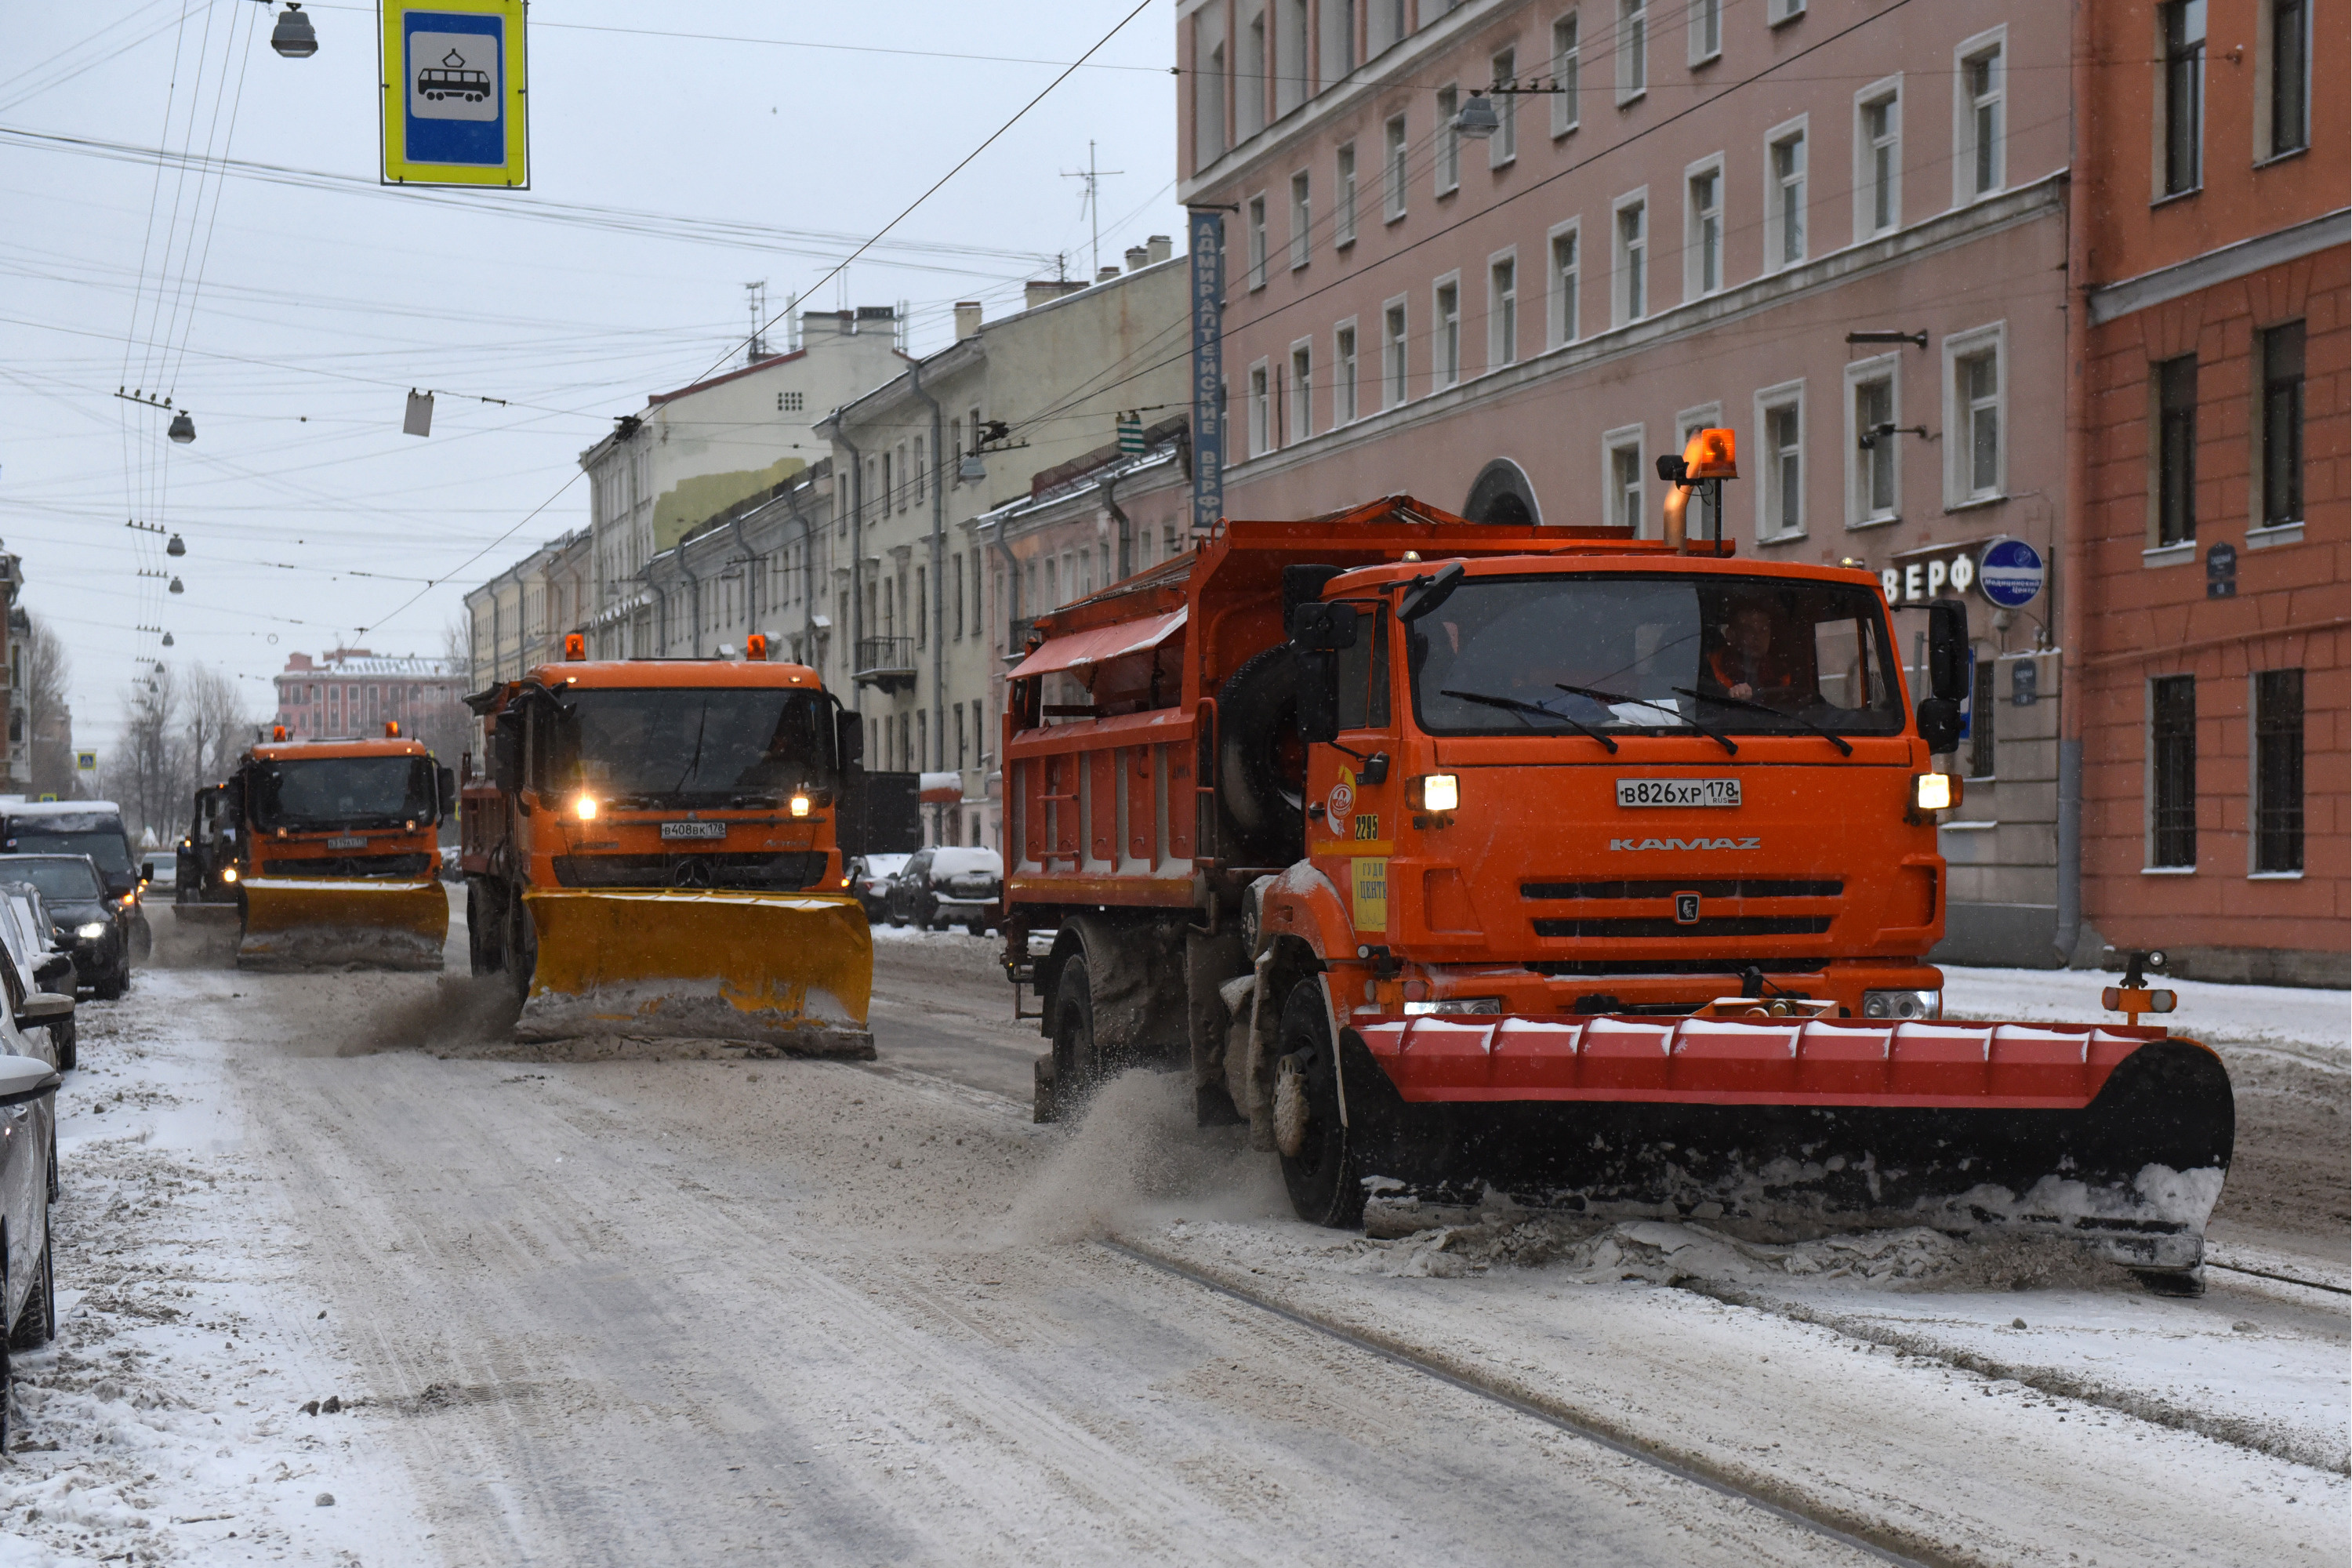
1076,1069
1321,1175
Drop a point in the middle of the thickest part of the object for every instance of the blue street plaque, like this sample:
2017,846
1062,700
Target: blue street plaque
2010,573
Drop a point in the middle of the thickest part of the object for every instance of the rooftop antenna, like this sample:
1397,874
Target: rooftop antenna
1092,198
758,296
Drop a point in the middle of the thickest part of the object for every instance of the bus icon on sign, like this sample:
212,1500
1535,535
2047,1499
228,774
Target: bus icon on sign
452,79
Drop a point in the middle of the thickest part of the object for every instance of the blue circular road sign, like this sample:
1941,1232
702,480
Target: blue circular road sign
2010,573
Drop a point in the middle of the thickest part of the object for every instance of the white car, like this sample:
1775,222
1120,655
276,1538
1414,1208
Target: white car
28,1303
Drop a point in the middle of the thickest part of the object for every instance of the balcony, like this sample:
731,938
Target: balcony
886,662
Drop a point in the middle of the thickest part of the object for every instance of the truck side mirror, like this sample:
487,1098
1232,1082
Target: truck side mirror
1947,650
147,871
1318,690
1939,724
1426,595
506,752
1318,627
447,781
849,739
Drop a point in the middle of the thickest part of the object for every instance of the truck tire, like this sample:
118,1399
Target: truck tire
521,949
485,917
1078,1066
1322,1177
1261,761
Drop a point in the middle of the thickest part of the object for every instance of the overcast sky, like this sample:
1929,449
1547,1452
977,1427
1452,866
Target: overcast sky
291,315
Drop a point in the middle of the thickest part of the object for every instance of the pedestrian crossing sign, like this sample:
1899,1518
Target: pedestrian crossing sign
454,86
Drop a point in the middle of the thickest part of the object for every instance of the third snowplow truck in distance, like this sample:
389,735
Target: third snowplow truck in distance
658,851
1463,860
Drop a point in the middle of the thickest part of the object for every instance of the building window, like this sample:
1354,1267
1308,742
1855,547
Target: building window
1784,220
1780,492
1302,387
1301,213
1393,344
1383,25
1504,145
1343,384
1563,286
2172,770
1983,705
1208,87
1259,434
1565,58
1975,450
1249,86
1878,160
1782,11
1344,226
1257,242
2278,770
2281,425
1502,312
1703,226
1706,30
1622,485
1983,86
1448,302
1395,168
1449,140
1875,446
2183,22
2175,450
2287,80
1632,49
1338,41
1632,260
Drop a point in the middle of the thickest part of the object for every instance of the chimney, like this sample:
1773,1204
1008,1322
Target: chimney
1045,290
1159,248
1108,274
967,319
814,322
1138,258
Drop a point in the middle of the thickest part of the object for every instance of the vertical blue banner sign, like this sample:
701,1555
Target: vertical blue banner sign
1208,242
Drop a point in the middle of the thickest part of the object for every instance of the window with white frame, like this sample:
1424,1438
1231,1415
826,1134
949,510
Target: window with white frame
1781,475
1632,53
1979,107
1302,213
1343,377
1449,140
1446,346
1780,11
1632,269
1784,188
1260,435
1975,415
1878,159
1504,145
1394,166
1706,19
1703,228
1392,353
1702,522
1502,310
1561,284
1302,390
1567,55
1873,446
1256,224
1343,226
1620,478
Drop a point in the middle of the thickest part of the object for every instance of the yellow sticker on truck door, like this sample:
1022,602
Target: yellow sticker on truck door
1371,878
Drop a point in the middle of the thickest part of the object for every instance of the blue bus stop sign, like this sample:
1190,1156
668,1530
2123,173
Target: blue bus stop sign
2010,573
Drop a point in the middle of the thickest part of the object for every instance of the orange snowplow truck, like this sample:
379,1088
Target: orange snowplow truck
336,862
656,850
1600,872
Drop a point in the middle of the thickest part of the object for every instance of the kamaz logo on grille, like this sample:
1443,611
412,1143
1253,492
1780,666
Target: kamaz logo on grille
1686,844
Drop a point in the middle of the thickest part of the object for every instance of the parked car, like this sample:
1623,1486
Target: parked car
28,934
869,878
91,827
951,885
93,927
29,1087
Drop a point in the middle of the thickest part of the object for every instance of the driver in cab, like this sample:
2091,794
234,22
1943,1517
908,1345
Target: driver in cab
1748,661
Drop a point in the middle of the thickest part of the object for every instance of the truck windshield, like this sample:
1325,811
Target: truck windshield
106,844
747,747
315,793
1746,654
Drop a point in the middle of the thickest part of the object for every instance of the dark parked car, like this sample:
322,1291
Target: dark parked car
94,928
947,886
869,878
91,827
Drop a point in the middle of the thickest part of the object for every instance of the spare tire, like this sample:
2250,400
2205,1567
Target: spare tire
1261,760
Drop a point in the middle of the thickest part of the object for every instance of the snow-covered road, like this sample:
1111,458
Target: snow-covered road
737,1311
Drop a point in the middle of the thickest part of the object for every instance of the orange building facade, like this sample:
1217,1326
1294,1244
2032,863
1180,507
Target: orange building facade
2204,762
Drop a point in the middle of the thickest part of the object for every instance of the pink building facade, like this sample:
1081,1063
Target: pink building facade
1836,228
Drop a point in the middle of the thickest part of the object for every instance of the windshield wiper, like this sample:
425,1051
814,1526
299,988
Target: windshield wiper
1730,746
1727,700
1512,704
694,763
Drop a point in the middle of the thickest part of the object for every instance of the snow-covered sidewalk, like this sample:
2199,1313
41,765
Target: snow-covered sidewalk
2311,1024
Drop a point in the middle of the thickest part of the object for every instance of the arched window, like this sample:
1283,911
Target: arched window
1501,494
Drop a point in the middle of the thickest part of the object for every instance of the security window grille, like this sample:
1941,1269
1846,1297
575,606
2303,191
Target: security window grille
1788,237
2278,770
2175,450
1344,227
1983,706
2172,770
1979,378
1873,406
1563,275
1625,486
1784,477
1632,261
1301,220
1395,166
1343,387
1257,242
1302,386
1981,74
1566,58
1706,232
2184,95
1881,165
1503,312
2281,453
2290,94
1392,347
1449,334
1632,49
1504,144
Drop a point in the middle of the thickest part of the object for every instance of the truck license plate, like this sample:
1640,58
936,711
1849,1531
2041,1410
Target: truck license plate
352,843
694,830
1678,792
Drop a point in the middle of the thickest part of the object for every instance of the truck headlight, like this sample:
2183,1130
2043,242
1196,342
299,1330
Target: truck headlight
585,808
228,874
91,932
1434,791
1934,792
800,806
1900,1004
1454,1005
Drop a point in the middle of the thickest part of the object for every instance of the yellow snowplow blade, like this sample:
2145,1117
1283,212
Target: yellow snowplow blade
789,970
327,920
